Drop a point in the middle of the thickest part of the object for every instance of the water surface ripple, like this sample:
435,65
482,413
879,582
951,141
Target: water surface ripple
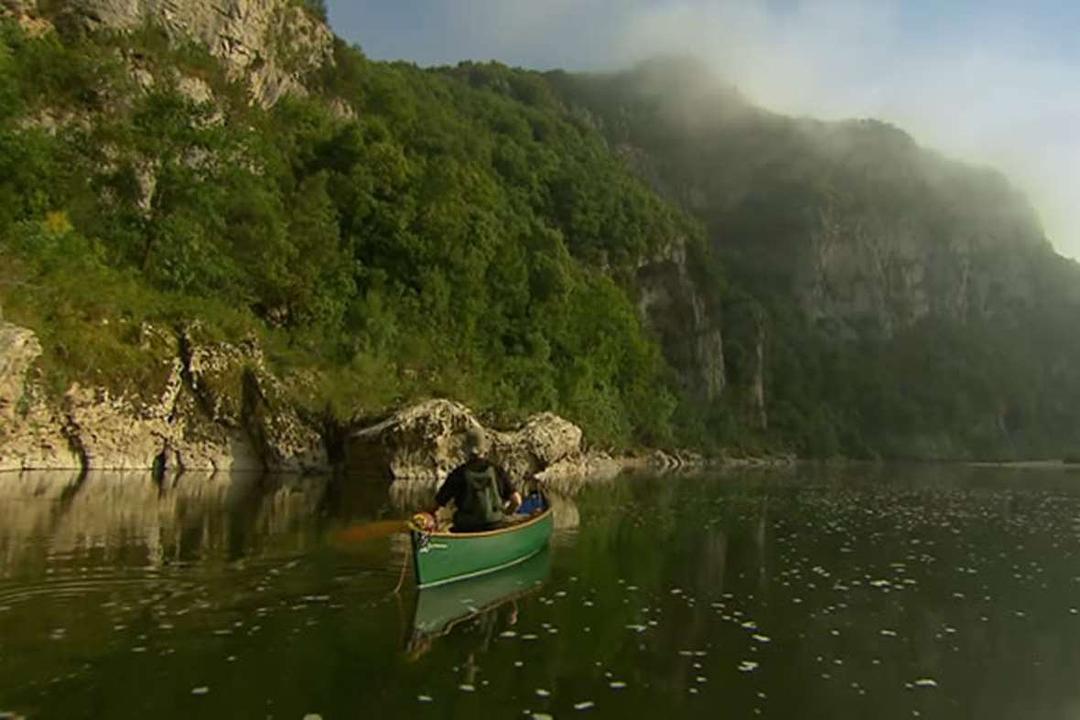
886,592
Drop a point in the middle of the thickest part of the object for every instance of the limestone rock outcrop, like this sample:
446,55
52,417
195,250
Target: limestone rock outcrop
248,412
31,434
688,325
271,44
421,442
218,408
418,446
543,441
19,348
426,441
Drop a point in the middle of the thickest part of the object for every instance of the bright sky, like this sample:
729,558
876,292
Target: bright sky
985,80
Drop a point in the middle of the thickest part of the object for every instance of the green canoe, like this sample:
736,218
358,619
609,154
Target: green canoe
439,609
440,558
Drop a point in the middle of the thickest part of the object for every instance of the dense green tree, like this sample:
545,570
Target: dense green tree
460,233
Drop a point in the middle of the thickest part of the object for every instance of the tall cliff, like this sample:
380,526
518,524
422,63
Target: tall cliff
273,46
687,318
913,303
853,218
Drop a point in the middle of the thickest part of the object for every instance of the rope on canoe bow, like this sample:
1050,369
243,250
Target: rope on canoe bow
401,577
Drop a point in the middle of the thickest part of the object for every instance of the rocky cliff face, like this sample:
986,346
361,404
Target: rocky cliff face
271,44
31,433
688,325
218,408
860,224
966,257
880,269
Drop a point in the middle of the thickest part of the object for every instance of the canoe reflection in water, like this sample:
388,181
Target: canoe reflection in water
485,600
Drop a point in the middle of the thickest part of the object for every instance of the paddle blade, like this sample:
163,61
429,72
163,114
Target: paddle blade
373,530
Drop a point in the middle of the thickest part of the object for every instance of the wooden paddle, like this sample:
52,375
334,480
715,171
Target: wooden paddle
373,530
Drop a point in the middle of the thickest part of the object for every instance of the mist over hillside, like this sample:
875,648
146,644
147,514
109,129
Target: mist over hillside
898,282
986,83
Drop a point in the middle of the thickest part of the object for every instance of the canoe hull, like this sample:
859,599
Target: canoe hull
439,609
441,558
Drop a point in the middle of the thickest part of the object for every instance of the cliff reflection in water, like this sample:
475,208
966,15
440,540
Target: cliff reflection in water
132,519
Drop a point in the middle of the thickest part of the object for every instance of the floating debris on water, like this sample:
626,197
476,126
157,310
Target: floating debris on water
851,555
201,690
586,705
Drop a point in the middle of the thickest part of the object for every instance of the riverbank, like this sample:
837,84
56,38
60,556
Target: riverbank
213,406
200,405
1029,464
425,441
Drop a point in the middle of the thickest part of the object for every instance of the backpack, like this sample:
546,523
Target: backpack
481,502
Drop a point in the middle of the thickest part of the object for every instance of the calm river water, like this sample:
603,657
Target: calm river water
933,591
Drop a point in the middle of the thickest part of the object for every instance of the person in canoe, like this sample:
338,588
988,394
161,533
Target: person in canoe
483,494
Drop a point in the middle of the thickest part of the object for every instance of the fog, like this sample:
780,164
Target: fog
978,81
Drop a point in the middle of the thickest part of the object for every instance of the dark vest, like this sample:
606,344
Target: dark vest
481,503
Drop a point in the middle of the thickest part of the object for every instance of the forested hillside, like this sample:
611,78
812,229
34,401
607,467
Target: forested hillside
520,242
394,232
